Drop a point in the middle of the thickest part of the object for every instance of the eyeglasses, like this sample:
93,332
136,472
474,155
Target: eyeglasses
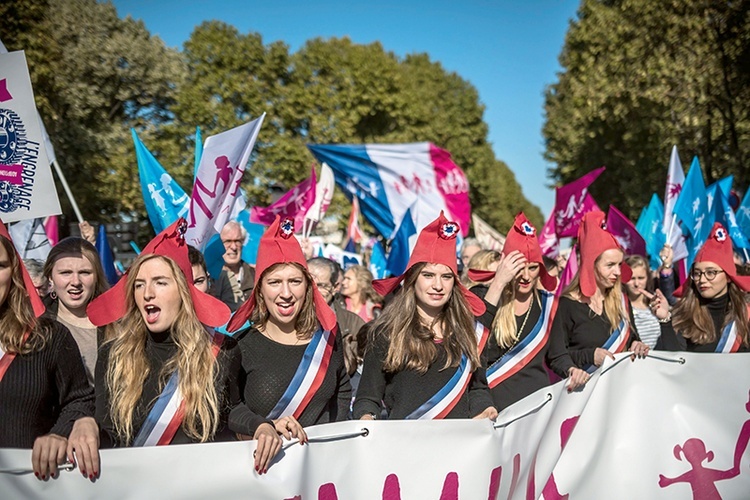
232,242
324,286
710,274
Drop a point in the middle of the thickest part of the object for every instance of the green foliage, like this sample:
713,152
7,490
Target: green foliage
640,76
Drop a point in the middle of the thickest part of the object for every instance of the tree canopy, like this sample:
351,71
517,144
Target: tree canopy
96,75
640,76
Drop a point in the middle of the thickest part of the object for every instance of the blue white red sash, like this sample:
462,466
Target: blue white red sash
729,341
618,340
441,404
308,377
6,358
525,350
166,415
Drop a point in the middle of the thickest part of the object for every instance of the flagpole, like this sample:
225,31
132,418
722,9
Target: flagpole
67,190
671,227
747,259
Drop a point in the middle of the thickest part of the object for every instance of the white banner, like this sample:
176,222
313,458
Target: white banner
654,428
27,190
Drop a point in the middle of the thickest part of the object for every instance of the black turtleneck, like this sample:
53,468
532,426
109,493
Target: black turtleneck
674,341
160,348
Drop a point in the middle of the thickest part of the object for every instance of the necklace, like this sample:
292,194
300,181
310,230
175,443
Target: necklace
523,325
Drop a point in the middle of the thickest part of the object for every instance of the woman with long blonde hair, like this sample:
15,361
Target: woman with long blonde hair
359,296
593,320
423,360
162,356
45,402
520,316
711,314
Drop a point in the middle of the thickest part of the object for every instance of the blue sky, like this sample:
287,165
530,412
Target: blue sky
507,49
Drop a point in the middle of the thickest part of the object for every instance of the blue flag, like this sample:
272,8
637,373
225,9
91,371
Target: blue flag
105,255
198,150
398,257
650,226
165,200
727,217
743,213
691,207
378,262
214,250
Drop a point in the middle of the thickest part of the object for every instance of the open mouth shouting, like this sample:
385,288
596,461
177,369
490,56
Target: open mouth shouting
151,313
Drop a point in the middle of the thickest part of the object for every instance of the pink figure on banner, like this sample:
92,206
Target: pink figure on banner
742,440
550,491
224,174
4,93
674,189
700,478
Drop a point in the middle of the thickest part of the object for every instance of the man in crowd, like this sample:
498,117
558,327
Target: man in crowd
237,278
325,272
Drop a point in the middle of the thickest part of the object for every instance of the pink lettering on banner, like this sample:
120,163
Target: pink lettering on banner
702,480
450,487
327,492
4,93
11,174
495,476
391,488
452,184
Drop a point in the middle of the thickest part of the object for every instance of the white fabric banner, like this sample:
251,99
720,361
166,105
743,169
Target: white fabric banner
653,428
27,190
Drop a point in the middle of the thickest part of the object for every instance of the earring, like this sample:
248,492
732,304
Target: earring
53,295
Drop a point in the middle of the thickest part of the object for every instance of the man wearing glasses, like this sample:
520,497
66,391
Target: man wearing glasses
237,278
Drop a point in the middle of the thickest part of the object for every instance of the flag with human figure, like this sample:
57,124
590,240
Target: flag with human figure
548,240
649,226
323,196
675,182
572,201
692,210
295,204
164,199
388,179
217,182
625,232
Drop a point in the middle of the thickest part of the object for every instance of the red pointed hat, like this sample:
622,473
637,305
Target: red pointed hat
436,244
36,302
594,240
718,249
522,237
279,246
111,305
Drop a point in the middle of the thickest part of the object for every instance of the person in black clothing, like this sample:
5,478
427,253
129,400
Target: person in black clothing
520,315
593,320
45,402
711,314
293,372
161,352
423,361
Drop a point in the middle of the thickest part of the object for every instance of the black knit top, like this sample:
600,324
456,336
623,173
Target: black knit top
159,349
45,391
267,370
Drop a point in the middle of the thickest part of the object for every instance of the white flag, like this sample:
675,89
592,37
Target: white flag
217,182
488,237
323,194
675,181
30,239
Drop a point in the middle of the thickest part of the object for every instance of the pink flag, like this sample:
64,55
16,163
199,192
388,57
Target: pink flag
571,269
571,202
675,181
52,230
625,232
548,241
354,233
294,204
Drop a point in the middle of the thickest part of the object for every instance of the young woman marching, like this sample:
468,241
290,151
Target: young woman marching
711,314
520,315
593,320
424,358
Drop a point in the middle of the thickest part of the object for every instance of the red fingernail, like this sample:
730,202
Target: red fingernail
257,469
265,471
52,475
91,476
83,472
36,474
96,473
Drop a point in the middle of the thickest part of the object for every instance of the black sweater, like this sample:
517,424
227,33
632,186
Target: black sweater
576,333
159,349
531,377
405,391
674,341
267,370
45,391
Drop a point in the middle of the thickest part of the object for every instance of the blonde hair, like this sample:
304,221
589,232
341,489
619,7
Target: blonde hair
613,303
481,262
366,292
306,322
16,314
194,363
504,326
411,344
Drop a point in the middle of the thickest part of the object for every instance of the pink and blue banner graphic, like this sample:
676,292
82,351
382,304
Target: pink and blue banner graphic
294,204
389,179
572,201
625,232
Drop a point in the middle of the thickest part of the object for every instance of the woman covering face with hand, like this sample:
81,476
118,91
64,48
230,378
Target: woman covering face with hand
293,372
45,402
593,320
423,359
711,314
165,377
520,315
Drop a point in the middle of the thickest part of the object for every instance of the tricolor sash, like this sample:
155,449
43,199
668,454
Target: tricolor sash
523,352
441,404
166,415
618,340
729,341
308,377
6,358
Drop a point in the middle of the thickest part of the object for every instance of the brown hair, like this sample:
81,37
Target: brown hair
306,322
640,261
75,246
411,343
